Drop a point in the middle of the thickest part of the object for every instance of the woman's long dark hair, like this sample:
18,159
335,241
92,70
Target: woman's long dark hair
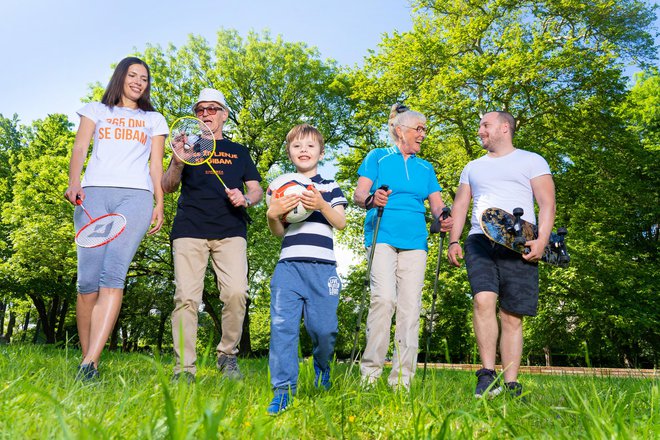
113,92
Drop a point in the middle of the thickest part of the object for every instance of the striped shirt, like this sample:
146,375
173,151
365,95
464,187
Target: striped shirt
312,239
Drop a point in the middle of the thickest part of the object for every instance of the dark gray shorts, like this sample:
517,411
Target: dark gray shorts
494,268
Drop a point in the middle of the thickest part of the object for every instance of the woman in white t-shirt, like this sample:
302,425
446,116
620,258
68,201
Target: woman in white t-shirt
122,176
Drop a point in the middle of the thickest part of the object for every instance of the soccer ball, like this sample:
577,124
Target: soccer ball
291,183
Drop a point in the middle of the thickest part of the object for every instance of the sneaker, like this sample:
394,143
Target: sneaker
279,403
87,372
228,366
487,383
186,376
322,378
514,389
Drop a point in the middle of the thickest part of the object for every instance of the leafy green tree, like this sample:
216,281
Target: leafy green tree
41,265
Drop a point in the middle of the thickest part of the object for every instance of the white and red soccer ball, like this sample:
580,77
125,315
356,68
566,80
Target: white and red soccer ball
291,183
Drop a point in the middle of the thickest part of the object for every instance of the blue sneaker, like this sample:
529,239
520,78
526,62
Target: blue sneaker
322,378
279,403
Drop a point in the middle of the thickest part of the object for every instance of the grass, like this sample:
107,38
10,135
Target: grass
39,398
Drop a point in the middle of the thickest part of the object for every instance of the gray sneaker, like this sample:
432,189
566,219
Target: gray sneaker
184,376
228,366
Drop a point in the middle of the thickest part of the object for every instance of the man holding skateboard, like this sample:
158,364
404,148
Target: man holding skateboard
505,178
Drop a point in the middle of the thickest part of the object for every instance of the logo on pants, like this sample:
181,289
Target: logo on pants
334,286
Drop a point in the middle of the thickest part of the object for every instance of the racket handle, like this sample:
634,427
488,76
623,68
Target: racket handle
78,200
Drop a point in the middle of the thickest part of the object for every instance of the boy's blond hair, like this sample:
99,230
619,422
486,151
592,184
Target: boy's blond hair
304,130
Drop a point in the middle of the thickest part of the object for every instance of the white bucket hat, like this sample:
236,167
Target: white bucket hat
211,95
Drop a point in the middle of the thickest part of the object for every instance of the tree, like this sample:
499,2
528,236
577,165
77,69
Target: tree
41,265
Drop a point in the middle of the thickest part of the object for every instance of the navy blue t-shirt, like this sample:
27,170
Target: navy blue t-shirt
204,210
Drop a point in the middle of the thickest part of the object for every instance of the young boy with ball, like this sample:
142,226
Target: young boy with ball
305,280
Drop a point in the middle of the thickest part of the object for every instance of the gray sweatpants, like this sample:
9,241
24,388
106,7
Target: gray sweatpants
107,265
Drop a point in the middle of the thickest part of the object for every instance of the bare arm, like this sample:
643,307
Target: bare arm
459,213
172,177
156,172
254,191
78,156
543,188
362,192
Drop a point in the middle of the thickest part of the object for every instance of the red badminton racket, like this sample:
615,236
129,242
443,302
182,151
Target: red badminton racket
100,230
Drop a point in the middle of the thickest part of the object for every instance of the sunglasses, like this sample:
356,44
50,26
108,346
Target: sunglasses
210,110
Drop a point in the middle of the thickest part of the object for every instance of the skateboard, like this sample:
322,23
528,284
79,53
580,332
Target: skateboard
512,231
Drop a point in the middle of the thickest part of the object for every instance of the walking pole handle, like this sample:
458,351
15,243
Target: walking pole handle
446,212
380,208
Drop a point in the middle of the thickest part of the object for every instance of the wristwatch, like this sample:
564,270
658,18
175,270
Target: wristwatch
247,201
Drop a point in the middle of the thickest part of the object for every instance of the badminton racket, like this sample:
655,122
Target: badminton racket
100,230
193,142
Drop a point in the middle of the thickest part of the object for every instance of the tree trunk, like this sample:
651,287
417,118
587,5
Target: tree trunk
25,325
52,319
125,344
39,304
3,309
161,331
548,356
62,320
37,329
246,343
114,336
10,326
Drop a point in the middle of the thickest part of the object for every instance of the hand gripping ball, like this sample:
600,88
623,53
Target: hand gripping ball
291,183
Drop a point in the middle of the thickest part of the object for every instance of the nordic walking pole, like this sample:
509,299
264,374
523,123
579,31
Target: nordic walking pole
356,336
445,213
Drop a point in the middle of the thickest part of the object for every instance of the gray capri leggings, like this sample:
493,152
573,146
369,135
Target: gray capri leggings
106,266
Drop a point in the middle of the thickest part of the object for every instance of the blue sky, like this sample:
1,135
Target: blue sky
53,49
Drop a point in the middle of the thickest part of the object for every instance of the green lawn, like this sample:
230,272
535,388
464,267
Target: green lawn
135,399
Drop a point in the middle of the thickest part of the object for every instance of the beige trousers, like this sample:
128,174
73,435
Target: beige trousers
397,279
229,259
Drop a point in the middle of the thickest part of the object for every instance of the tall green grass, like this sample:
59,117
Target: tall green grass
39,398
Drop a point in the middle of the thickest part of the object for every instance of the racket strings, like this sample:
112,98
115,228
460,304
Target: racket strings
101,230
192,140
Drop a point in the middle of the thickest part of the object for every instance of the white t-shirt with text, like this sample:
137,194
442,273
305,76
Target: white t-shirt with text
122,146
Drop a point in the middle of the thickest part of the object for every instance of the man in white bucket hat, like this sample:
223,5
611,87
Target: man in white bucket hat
209,222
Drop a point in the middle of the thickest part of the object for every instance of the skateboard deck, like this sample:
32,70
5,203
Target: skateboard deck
511,231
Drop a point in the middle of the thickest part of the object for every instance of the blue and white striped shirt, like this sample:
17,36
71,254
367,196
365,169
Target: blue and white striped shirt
312,239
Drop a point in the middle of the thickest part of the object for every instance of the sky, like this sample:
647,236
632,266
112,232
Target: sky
54,49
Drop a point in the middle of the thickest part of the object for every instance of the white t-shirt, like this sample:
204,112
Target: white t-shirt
122,145
503,182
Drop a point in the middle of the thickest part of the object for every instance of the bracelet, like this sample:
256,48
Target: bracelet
453,242
248,202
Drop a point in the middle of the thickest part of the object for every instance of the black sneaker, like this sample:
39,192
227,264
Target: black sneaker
486,383
228,366
184,376
87,372
514,389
